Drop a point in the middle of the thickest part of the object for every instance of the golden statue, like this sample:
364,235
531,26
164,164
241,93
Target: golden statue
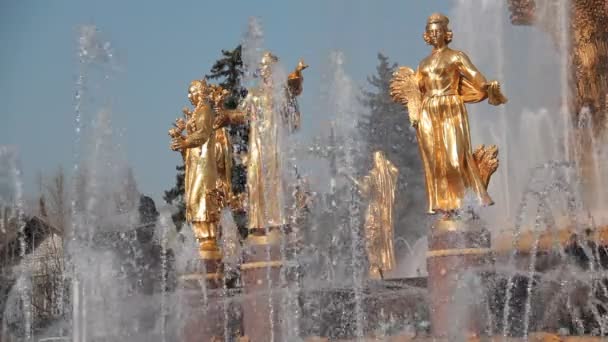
435,95
378,187
223,148
267,118
198,150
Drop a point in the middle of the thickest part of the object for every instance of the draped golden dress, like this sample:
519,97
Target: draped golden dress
379,188
223,154
447,80
201,167
264,177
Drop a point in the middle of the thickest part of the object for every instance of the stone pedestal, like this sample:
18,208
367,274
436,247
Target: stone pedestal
260,275
209,270
201,288
204,320
459,251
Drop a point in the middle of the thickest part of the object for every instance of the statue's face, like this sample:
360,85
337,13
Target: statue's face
437,34
193,96
266,64
196,93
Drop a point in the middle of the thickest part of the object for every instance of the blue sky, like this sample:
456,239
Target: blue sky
160,47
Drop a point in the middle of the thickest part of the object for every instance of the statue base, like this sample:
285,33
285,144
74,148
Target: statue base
201,290
204,318
458,255
260,274
209,268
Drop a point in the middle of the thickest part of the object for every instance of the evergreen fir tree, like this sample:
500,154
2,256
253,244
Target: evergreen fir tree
229,69
387,128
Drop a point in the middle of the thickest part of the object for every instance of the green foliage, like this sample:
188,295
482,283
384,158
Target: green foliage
229,70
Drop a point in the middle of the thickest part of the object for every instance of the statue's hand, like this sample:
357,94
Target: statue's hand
180,124
187,112
495,95
301,66
178,143
174,132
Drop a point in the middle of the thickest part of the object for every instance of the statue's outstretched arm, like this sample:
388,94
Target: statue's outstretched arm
236,116
229,117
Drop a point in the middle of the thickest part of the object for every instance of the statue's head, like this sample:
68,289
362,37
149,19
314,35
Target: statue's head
266,65
378,158
437,32
197,91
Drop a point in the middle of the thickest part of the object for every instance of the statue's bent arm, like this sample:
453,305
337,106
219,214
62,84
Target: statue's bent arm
470,72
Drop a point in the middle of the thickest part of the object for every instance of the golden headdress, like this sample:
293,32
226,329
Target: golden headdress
438,18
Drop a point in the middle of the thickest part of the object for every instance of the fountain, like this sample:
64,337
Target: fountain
307,264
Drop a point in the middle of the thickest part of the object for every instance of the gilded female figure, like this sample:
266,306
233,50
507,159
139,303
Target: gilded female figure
198,149
378,187
269,118
435,95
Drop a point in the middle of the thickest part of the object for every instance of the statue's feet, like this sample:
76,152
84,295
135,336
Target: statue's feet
208,245
208,249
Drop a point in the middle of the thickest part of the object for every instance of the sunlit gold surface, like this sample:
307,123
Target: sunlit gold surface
446,80
486,158
267,124
404,89
379,188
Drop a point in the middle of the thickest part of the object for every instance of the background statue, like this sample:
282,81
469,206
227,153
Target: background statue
198,149
378,187
267,117
435,95
223,149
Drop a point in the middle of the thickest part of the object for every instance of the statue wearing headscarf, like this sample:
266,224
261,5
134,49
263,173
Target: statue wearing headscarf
378,187
269,118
